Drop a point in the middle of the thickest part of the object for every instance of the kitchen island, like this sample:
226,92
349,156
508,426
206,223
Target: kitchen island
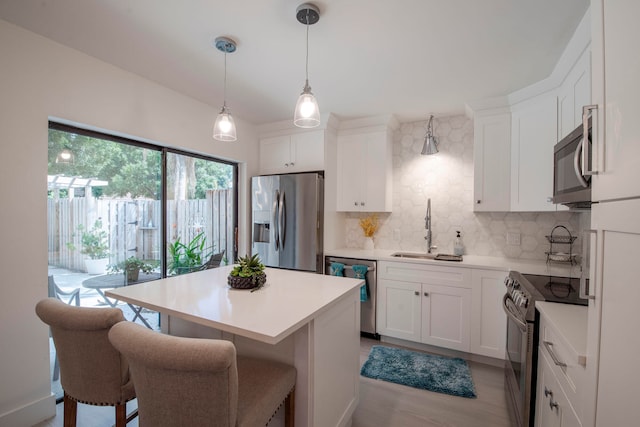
308,320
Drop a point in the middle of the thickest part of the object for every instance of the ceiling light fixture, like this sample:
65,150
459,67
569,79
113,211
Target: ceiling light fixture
430,144
307,114
224,128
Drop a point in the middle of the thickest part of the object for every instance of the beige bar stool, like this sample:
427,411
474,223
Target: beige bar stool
201,382
92,371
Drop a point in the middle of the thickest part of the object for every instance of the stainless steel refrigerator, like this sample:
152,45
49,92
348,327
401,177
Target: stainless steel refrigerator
287,220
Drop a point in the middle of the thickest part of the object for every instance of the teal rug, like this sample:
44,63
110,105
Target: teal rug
419,370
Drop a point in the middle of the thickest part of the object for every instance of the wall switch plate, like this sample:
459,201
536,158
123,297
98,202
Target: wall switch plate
513,239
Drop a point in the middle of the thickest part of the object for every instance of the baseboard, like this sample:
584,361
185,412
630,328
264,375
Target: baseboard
491,361
30,414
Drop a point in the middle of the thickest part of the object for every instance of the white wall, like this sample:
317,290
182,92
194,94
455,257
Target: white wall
40,79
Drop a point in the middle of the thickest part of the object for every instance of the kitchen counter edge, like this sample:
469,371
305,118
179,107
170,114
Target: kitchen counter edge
469,261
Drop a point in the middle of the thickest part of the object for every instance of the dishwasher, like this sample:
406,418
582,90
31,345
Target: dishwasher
368,307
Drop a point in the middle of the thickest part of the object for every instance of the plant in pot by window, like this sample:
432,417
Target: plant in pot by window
369,225
248,273
95,244
185,258
132,267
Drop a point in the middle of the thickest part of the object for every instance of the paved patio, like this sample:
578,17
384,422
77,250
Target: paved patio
69,280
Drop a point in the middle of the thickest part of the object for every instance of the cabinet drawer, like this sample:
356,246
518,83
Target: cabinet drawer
425,273
572,377
553,407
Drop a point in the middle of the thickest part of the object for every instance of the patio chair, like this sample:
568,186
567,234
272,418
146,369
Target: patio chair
56,292
214,261
92,371
200,382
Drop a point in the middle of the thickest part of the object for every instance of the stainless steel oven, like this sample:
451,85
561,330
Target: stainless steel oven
521,359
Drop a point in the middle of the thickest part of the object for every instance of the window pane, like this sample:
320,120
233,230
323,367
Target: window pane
200,213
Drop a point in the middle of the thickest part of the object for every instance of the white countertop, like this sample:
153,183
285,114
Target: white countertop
468,261
288,300
570,321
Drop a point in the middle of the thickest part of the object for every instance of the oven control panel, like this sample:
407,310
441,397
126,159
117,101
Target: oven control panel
517,294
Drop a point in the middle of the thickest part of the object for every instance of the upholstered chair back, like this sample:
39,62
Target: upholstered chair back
91,369
180,381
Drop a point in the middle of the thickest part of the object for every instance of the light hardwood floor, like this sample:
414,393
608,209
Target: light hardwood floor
383,404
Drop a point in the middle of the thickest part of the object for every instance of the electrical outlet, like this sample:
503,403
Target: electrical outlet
513,239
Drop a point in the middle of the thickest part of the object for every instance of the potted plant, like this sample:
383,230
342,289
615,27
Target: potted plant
185,258
95,244
132,267
248,273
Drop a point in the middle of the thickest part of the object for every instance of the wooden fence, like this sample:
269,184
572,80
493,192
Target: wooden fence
134,226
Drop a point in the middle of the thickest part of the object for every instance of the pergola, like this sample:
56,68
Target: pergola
62,182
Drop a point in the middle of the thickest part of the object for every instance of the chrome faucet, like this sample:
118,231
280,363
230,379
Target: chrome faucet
427,225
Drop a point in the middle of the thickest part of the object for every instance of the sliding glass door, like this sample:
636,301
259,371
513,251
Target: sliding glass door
122,212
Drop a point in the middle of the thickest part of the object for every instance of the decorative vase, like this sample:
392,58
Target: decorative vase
368,243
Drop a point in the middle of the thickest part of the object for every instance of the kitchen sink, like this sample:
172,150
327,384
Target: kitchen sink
437,257
414,255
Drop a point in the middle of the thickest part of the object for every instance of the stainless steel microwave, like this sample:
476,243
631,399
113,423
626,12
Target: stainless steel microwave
571,186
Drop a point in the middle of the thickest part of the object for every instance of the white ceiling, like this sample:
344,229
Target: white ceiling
367,57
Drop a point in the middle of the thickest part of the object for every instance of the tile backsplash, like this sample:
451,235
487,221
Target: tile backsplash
447,179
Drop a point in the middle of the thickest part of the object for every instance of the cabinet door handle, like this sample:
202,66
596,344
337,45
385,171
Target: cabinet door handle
555,359
586,149
553,405
416,293
361,203
547,392
426,294
291,164
586,263
286,165
355,203
478,202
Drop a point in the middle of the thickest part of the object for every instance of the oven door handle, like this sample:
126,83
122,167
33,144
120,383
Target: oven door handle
522,325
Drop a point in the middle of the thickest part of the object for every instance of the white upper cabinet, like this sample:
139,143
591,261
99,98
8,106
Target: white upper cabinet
533,135
615,89
515,135
491,162
298,152
364,172
573,94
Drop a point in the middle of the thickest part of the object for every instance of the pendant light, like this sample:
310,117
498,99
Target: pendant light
224,128
307,114
65,157
430,144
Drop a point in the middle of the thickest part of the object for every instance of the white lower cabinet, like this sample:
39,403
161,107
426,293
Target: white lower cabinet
452,307
553,409
445,316
488,320
399,309
425,303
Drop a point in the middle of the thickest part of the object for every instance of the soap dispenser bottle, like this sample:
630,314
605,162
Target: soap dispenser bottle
458,248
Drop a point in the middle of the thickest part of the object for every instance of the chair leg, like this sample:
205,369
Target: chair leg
56,369
290,409
70,411
121,415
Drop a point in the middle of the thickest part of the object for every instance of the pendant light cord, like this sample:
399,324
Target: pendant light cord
224,99
307,58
